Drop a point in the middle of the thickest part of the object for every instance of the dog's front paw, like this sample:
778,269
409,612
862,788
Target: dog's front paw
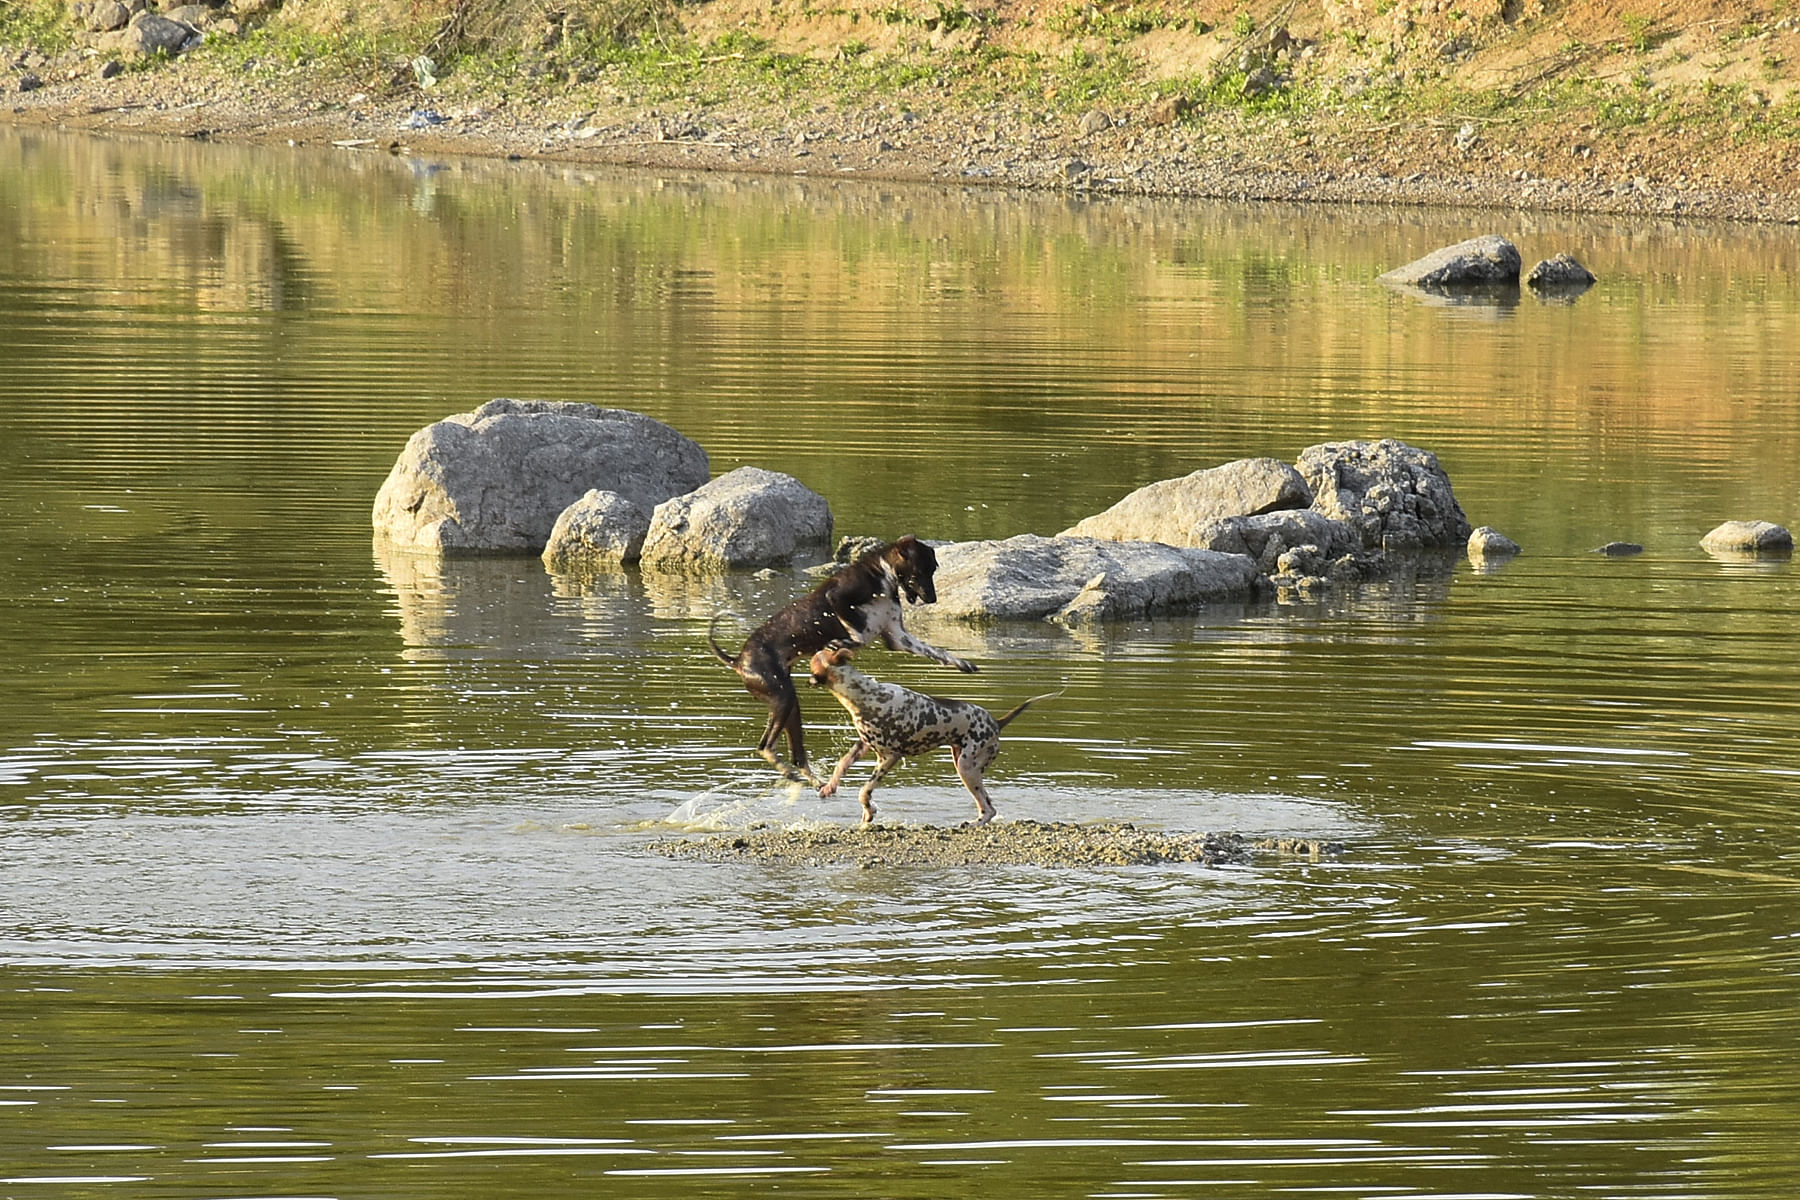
828,789
965,666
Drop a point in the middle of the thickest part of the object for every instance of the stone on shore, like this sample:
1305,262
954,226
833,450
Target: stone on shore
1394,496
1176,512
100,16
1748,537
149,34
1486,261
602,529
494,481
746,518
1076,580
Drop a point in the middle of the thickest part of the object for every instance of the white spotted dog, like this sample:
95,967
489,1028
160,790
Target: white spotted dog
896,722
858,605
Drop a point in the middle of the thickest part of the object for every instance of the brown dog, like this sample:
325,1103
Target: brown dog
896,722
858,605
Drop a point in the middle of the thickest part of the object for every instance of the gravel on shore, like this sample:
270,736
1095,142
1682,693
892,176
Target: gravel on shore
1004,843
1225,157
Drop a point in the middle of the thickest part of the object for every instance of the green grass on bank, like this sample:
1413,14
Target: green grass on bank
44,25
637,51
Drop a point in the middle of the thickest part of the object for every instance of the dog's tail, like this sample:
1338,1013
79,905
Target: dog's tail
1019,708
712,637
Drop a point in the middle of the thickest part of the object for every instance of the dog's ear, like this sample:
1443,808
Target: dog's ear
904,542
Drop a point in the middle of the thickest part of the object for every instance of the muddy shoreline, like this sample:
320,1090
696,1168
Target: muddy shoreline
1227,157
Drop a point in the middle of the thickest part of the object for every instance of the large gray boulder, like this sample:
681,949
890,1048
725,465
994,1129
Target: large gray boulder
493,481
148,34
100,16
747,518
1176,511
602,529
1394,496
1486,261
1748,537
1077,580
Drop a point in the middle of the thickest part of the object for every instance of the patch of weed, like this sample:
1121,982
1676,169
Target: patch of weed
41,24
1112,22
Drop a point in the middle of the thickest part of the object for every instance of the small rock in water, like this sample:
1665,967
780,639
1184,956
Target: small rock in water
1748,537
1562,271
1619,549
1488,542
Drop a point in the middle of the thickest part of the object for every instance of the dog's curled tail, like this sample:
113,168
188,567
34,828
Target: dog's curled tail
712,637
1023,705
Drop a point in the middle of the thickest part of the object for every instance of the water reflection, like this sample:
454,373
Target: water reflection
325,867
1496,301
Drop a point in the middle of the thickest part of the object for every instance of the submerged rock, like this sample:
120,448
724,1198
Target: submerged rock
1619,549
746,518
1564,273
1748,537
1489,543
494,481
1486,261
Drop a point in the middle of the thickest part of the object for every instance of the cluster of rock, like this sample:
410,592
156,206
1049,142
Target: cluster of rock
134,28
590,487
596,488
1343,513
1490,261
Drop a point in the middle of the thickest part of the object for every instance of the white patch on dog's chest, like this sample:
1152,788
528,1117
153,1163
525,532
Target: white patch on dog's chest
877,617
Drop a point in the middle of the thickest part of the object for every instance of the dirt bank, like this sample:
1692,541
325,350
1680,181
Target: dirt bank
1687,110
1005,843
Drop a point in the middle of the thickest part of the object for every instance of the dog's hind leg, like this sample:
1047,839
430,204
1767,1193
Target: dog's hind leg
971,760
796,740
777,690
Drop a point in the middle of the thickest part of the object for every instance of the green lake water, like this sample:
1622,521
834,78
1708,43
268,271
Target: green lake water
324,872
